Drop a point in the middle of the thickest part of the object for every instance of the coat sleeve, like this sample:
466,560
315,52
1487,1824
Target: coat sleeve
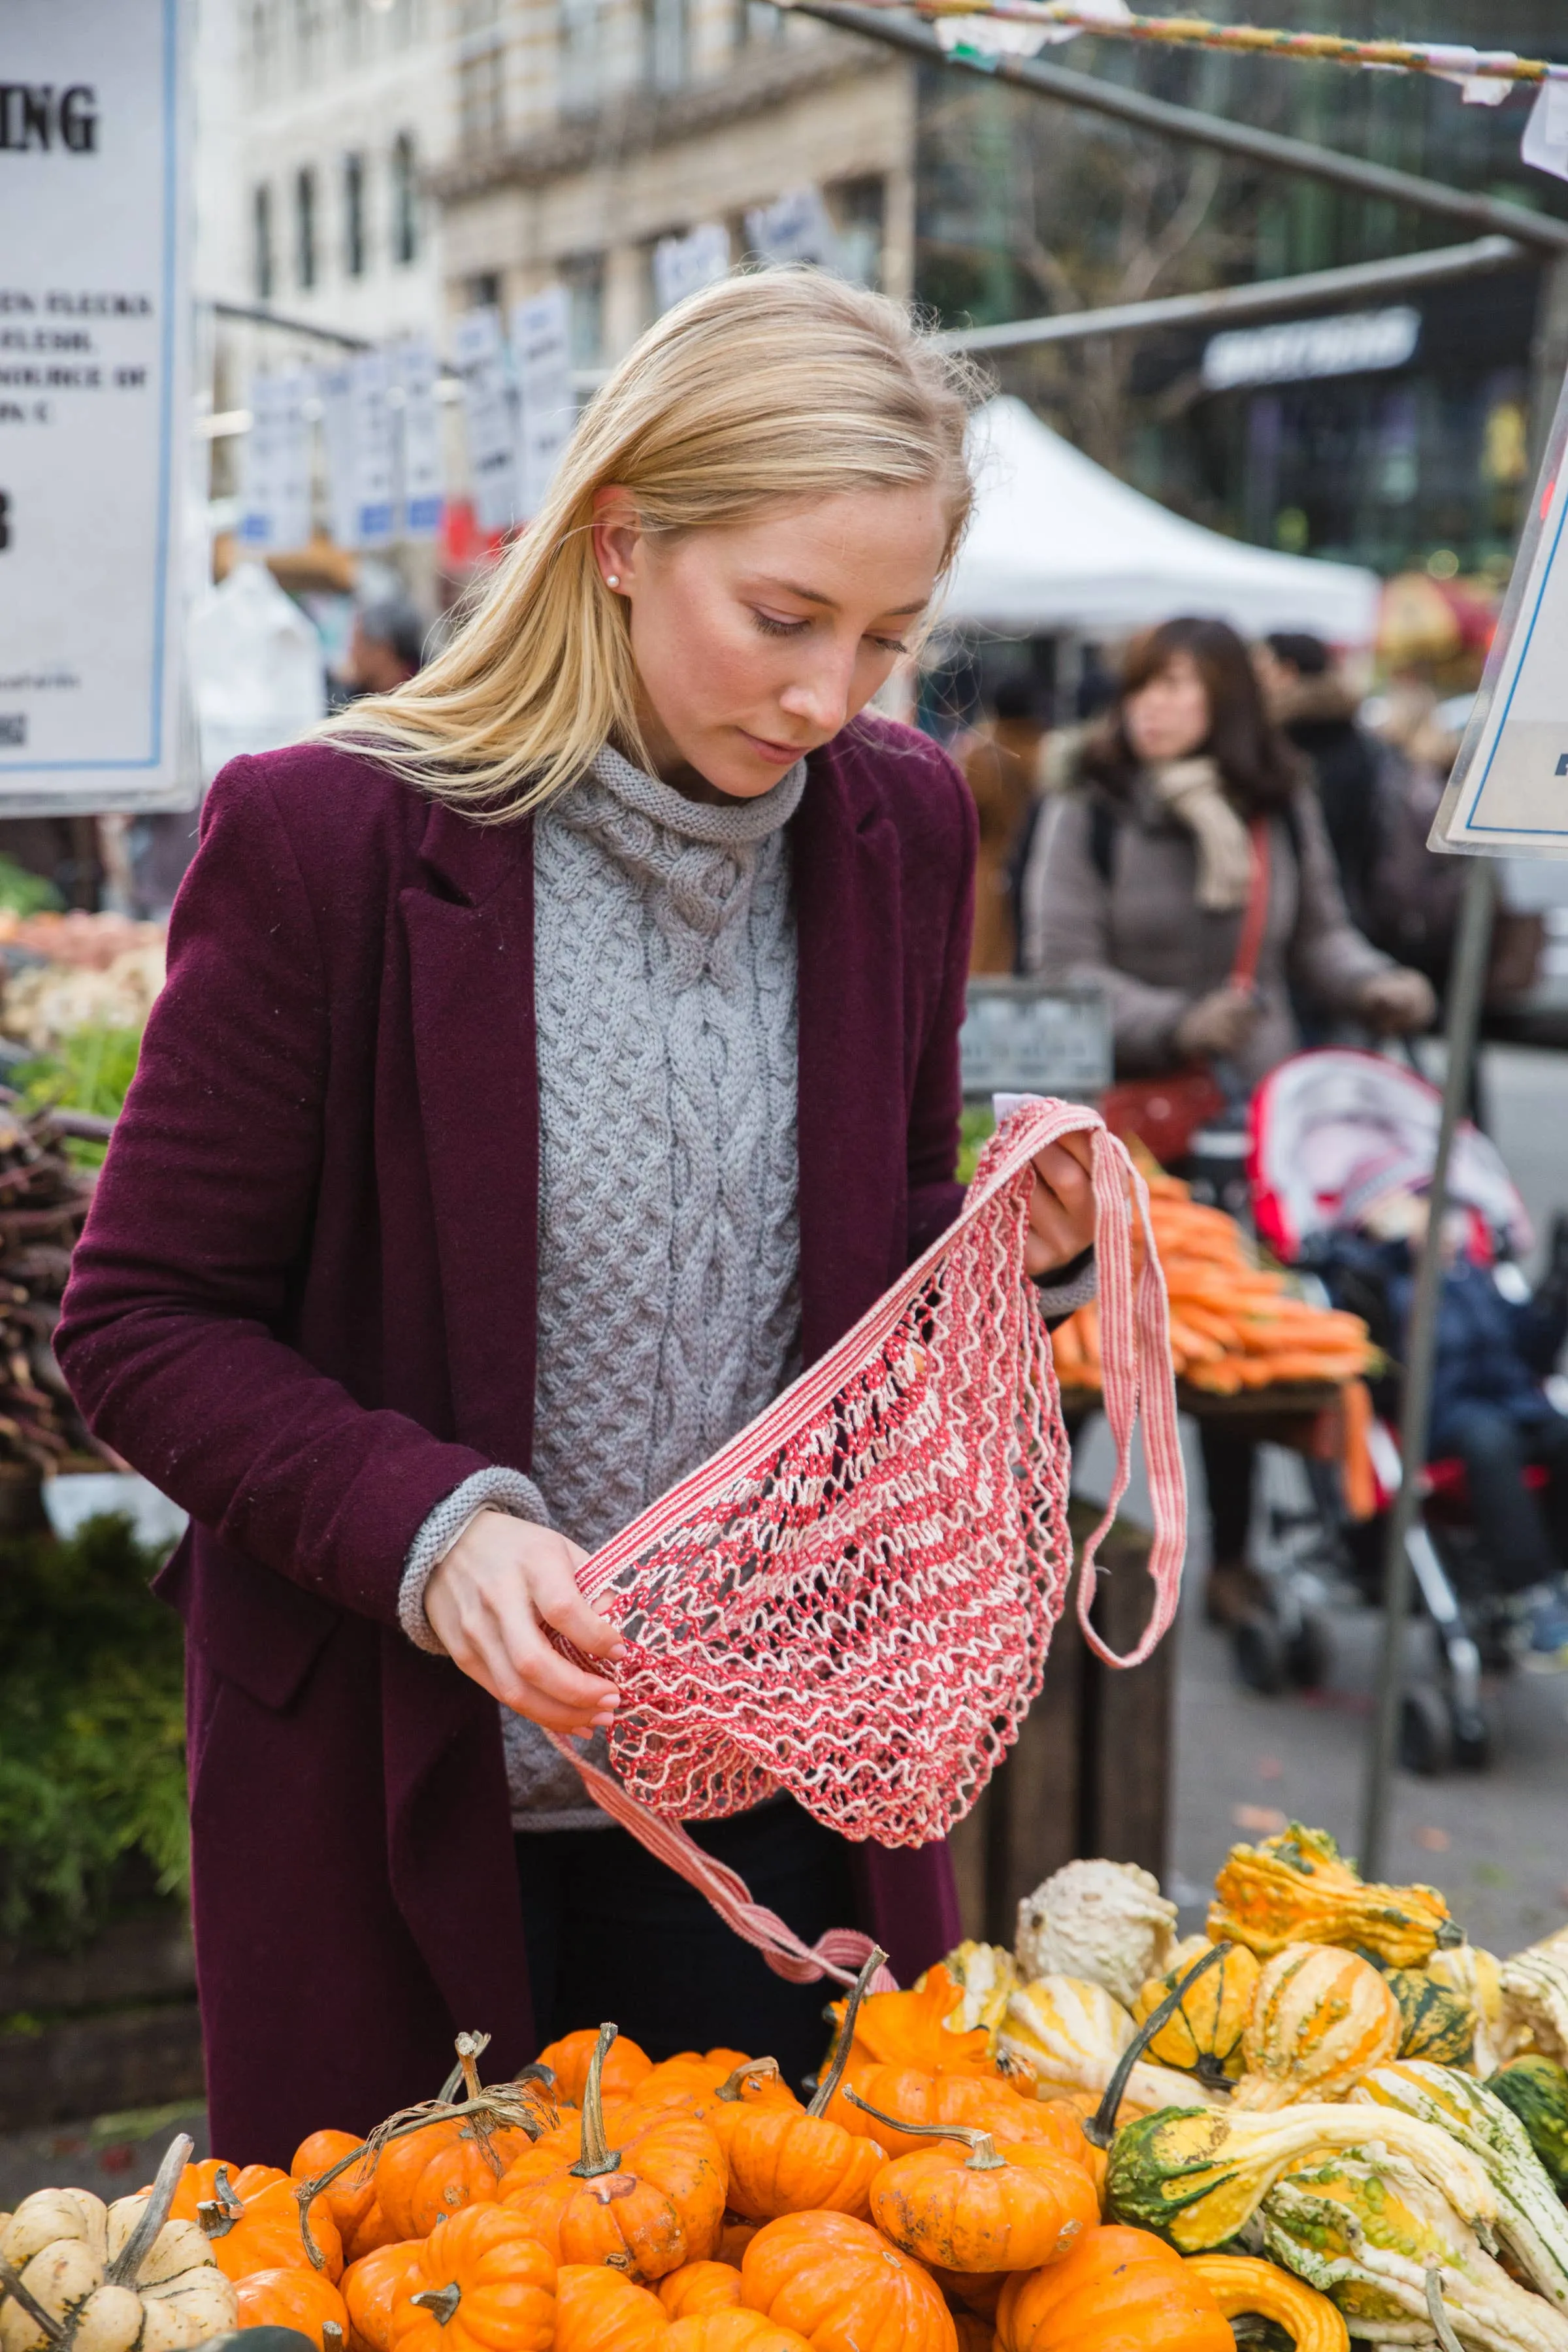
1067,937
1328,958
936,1106
185,1278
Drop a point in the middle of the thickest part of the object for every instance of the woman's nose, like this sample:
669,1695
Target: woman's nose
821,695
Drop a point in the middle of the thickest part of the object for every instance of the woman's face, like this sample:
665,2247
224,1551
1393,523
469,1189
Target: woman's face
757,641
1169,717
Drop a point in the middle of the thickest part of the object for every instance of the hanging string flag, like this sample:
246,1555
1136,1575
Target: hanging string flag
541,353
275,493
479,353
421,475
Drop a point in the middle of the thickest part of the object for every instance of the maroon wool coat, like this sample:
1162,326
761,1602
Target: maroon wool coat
304,1306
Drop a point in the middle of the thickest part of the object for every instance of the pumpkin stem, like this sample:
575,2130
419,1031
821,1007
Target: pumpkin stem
1439,2317
1100,2127
10,2285
597,2155
471,2049
983,2156
822,2096
755,2070
124,2270
218,2214
442,2301
332,2335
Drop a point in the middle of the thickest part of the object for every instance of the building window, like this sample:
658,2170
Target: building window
263,48
580,56
353,216
309,26
584,278
481,98
484,290
305,227
405,199
262,271
858,207
666,44
756,21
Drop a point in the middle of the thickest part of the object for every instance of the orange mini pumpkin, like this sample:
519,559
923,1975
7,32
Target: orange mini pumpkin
371,2286
974,2334
349,2197
432,2173
839,2284
697,2287
731,2331
479,2281
977,2291
692,2072
1118,2285
625,2070
650,2205
925,2098
302,2300
251,2222
734,2237
601,2310
969,2208
911,2029
789,2159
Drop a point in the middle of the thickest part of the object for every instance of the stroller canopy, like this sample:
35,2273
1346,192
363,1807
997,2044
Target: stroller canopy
1333,1131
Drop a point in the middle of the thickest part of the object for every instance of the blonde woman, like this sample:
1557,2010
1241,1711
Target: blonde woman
550,1064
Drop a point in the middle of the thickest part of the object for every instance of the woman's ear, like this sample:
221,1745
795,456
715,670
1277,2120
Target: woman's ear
617,538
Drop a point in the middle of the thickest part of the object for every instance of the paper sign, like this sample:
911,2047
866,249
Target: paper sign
1545,142
795,227
480,356
684,264
421,473
334,390
95,403
541,353
370,410
1509,792
275,472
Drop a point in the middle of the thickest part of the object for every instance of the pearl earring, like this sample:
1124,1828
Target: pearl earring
611,578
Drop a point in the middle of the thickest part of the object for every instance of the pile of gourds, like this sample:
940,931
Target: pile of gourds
1329,2116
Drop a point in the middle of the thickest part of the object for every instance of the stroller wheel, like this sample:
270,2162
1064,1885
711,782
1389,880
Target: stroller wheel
1258,1648
1426,1733
1472,1739
1310,1653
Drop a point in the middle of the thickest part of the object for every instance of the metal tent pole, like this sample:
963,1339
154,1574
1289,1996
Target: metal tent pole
1466,989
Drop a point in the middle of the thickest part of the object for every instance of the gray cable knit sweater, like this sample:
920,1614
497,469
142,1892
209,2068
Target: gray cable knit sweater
668,1296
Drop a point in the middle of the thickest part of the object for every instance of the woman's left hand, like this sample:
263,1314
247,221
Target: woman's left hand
1061,1206
1398,1002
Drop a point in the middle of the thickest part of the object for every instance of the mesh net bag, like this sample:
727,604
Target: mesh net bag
853,1601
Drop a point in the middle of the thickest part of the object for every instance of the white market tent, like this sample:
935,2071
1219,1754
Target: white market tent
1059,545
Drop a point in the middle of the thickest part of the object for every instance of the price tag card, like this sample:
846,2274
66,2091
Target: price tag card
95,404
1508,796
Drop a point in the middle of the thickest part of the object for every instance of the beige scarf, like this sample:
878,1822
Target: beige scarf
1194,794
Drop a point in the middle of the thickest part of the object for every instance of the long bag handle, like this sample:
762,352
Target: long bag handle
1136,1373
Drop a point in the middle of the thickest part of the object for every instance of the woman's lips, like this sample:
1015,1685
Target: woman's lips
784,754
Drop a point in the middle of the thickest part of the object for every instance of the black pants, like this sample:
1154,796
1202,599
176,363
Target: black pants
1523,1537
1227,1475
612,1933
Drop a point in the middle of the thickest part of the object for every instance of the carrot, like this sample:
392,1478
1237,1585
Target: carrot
1356,1474
1067,1348
1219,1379
1196,1345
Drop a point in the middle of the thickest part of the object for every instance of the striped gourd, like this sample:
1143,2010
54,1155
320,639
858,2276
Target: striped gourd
1321,2019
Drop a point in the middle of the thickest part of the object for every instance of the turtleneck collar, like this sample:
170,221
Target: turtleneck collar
730,825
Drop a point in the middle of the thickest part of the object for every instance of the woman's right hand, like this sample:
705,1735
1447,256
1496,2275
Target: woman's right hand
503,1581
1217,1024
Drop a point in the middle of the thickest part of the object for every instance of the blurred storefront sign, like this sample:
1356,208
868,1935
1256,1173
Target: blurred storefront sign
94,407
684,264
1022,1036
1302,350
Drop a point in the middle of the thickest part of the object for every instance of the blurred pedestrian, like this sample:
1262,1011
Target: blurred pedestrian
386,648
1000,758
1191,828
1314,706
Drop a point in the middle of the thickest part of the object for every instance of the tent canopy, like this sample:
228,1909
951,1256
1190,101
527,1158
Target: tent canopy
1058,543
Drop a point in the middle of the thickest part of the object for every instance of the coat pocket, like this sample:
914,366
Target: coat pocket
254,1628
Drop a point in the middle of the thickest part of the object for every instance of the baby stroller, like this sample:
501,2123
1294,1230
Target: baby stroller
1331,1134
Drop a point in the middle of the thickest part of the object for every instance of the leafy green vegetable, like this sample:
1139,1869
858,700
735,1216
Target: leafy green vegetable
22,893
90,1071
977,1128
92,1781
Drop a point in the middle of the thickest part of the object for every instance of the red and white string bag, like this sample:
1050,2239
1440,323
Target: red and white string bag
853,1601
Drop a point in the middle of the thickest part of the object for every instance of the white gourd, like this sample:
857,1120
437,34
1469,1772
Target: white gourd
1071,2032
1105,1921
1536,1981
77,2276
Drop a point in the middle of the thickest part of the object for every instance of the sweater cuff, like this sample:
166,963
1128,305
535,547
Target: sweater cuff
1063,1289
495,1489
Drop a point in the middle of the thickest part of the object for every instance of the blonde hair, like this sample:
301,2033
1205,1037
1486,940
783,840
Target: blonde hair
784,385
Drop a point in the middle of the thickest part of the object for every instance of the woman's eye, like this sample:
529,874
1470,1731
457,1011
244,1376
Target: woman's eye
889,644
771,627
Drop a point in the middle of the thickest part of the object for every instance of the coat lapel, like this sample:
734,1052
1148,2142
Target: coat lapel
852,1110
470,955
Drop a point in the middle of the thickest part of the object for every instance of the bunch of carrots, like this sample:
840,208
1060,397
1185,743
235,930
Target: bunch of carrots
1234,1324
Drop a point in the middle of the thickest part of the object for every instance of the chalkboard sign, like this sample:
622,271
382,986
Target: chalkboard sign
1025,1037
